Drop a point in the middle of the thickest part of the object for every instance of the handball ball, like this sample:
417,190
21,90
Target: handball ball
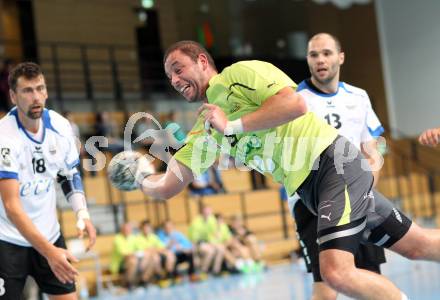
123,170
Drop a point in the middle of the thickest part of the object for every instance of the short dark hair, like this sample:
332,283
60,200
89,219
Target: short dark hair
191,49
333,37
28,70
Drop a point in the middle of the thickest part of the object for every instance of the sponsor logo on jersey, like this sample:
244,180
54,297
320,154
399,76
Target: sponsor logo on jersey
235,107
326,217
35,187
5,156
38,150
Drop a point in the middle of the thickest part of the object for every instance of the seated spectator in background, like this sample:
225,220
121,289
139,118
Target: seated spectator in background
199,231
104,126
123,258
5,102
223,242
148,241
181,246
246,238
208,183
430,137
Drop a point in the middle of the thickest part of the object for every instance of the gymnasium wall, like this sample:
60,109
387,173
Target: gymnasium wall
356,28
179,20
410,47
84,21
10,30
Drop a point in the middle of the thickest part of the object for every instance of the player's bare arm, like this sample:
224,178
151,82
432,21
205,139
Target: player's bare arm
166,185
283,107
58,258
430,137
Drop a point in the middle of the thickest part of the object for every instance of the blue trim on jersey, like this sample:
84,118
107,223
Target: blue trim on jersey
47,124
73,165
77,182
46,121
8,175
377,132
342,85
14,113
304,85
301,86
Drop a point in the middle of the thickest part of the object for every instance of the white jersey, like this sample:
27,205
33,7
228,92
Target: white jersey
348,110
35,165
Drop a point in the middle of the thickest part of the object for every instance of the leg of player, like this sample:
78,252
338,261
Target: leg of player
71,296
321,291
339,271
419,243
306,226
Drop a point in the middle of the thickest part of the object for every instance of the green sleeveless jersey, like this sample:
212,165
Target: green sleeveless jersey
286,152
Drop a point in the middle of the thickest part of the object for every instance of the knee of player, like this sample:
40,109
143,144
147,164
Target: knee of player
336,277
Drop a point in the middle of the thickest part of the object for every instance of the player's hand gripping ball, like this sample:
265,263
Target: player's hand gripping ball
127,169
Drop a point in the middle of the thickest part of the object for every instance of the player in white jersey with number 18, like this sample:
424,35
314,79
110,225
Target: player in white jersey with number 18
37,150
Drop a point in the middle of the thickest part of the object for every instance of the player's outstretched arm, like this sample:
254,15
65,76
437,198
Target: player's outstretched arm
283,107
166,185
430,137
57,258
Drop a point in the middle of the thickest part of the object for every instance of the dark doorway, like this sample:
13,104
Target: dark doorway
150,52
27,26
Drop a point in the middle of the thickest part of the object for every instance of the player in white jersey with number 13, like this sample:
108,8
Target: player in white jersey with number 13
348,109
37,150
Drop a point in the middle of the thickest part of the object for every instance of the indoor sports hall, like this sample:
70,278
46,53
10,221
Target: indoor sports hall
103,63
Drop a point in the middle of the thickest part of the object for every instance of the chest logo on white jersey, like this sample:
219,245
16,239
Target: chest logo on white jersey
35,187
5,156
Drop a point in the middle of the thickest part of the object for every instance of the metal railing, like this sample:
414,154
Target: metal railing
414,177
115,72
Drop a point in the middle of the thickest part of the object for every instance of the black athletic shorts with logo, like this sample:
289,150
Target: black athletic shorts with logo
368,257
338,192
17,262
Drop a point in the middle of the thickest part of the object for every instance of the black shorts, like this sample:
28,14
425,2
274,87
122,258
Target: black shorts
17,262
368,256
348,211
